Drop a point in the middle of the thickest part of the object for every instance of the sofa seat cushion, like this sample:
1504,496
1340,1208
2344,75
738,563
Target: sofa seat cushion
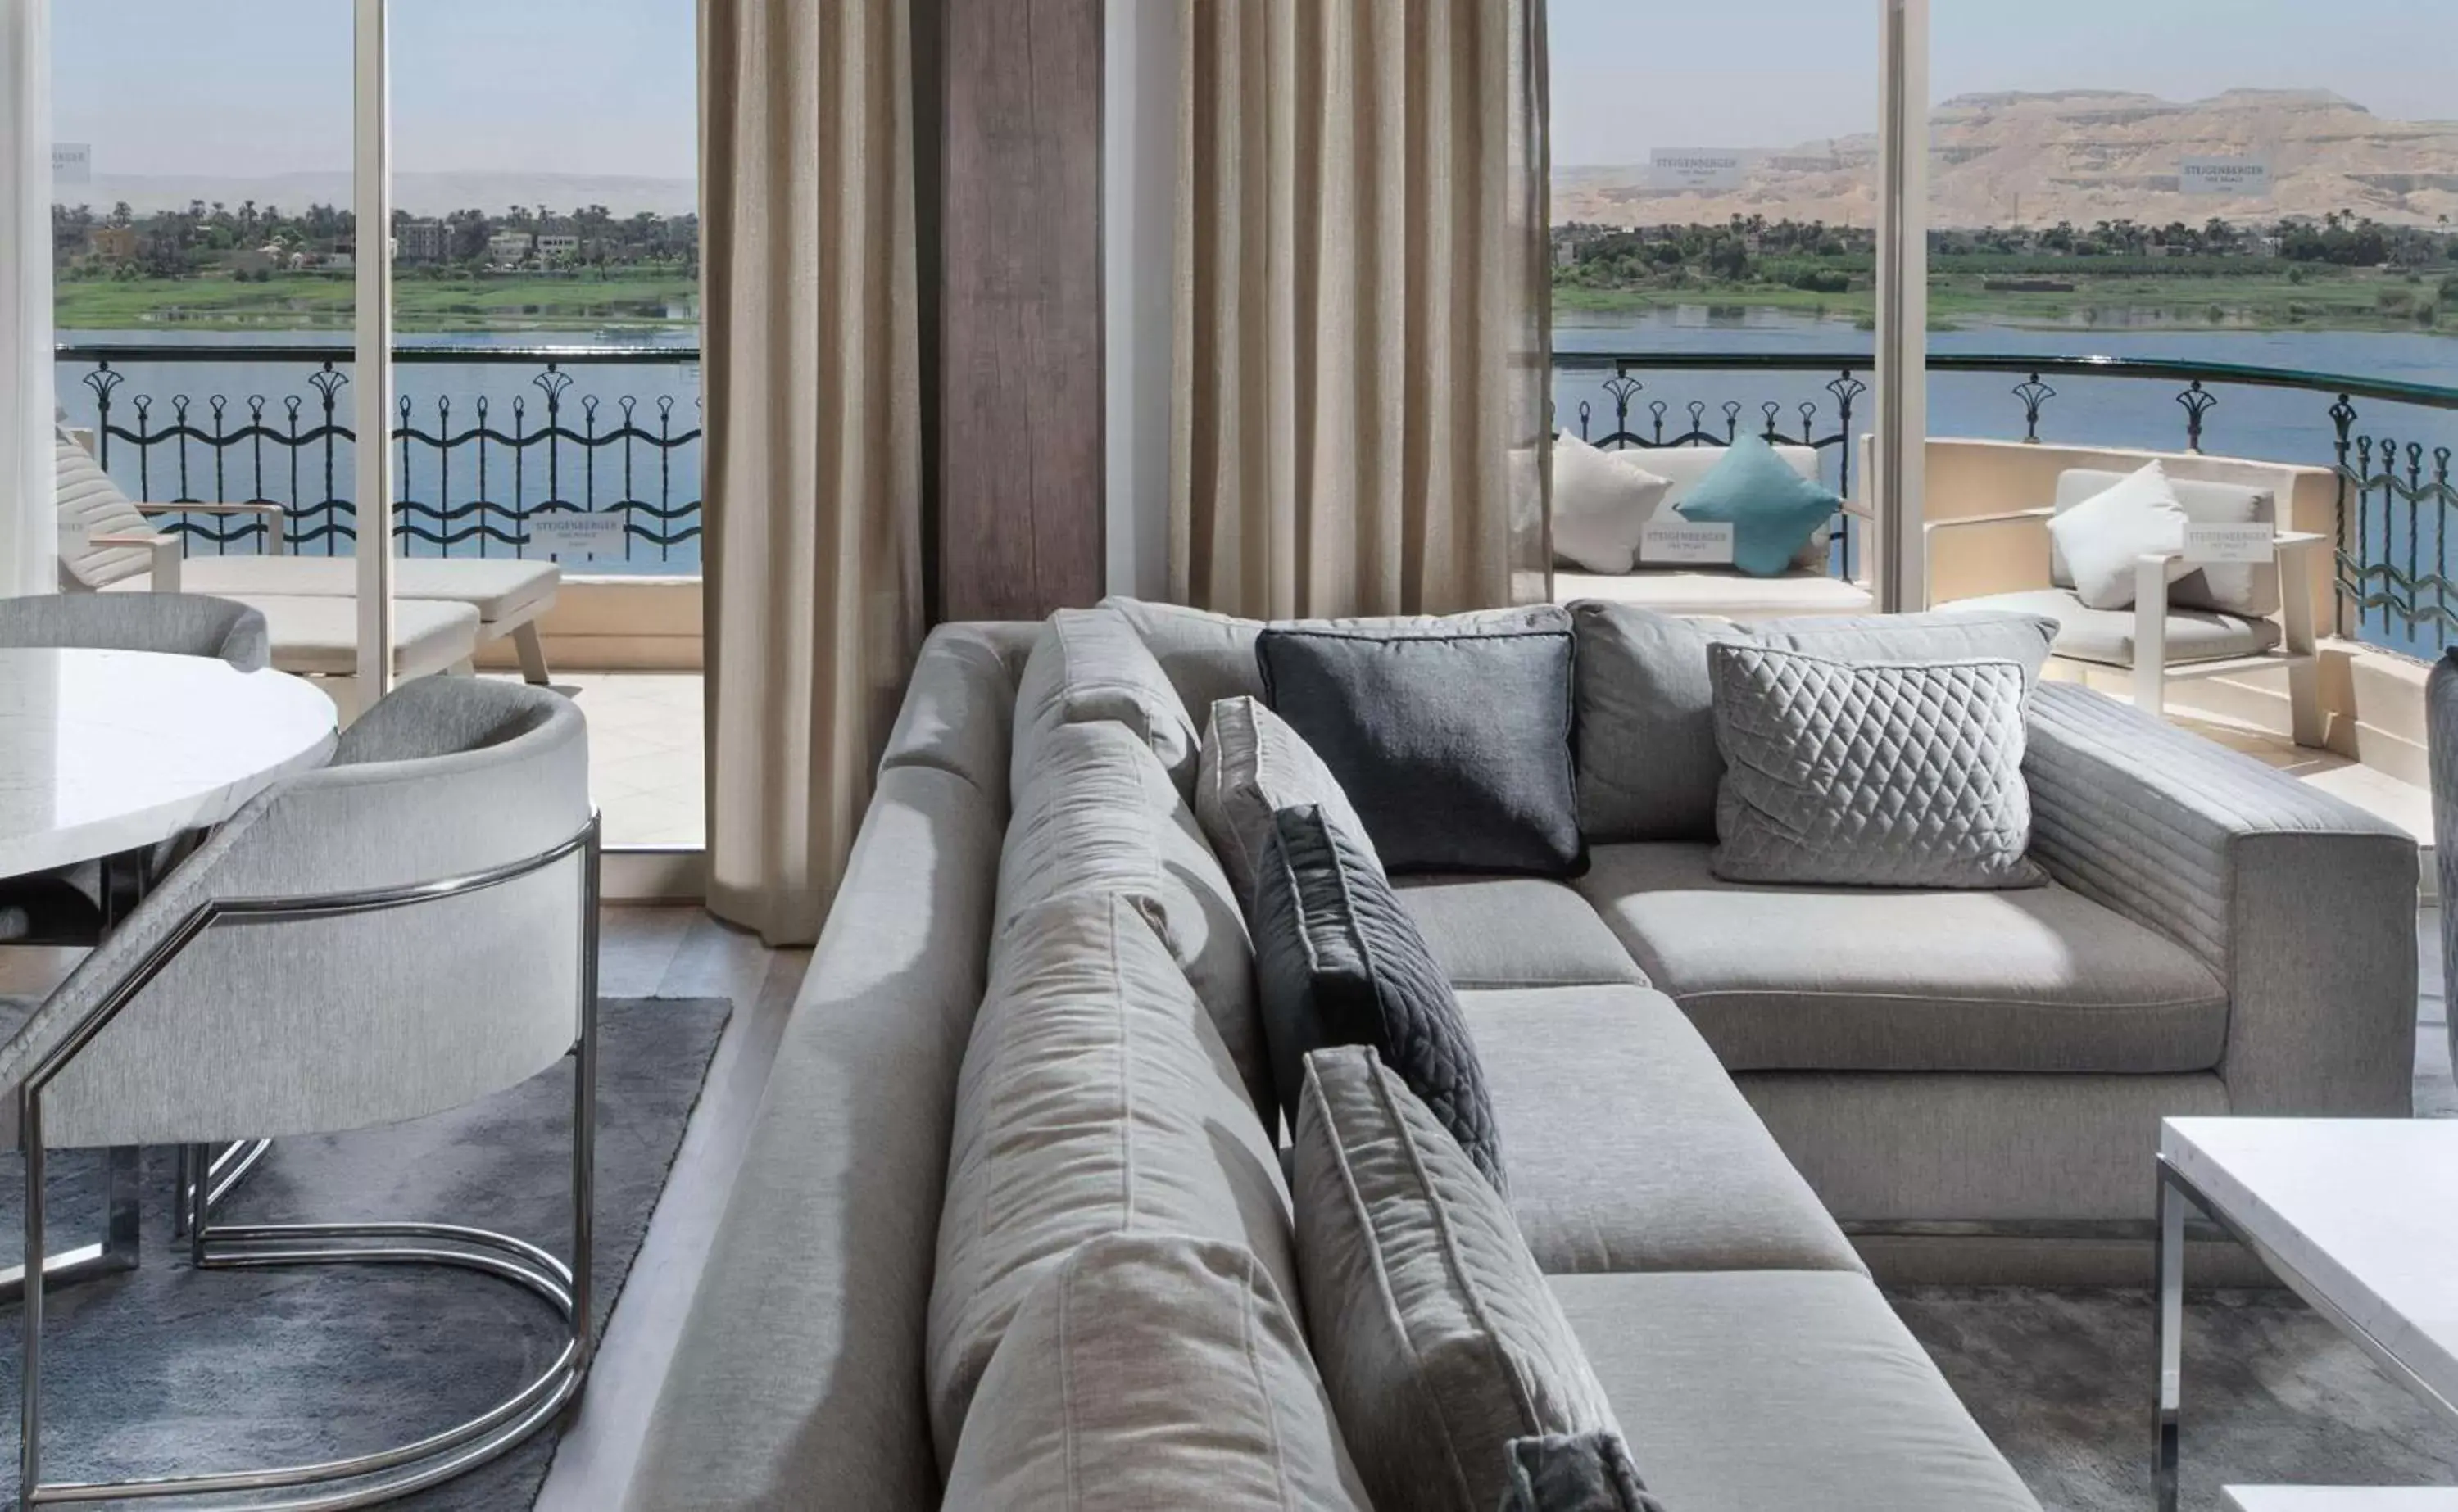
1513,932
1882,978
1727,595
2106,635
1629,1147
1747,1391
320,636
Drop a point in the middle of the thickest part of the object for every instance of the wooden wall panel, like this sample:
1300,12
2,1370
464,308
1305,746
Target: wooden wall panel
1018,442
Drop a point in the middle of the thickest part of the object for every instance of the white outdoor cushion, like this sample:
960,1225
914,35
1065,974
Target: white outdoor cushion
1602,502
320,636
90,504
2106,635
500,588
2102,539
1095,1098
1727,596
2234,588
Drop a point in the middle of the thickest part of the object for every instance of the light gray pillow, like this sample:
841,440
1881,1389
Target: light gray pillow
1095,1098
1091,665
1437,1337
1255,765
1871,775
1648,762
1153,1371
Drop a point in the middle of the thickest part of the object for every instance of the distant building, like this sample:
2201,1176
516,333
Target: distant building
421,242
507,247
556,244
251,260
116,243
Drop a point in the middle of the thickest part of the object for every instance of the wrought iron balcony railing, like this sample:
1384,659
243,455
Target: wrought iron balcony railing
475,471
2395,492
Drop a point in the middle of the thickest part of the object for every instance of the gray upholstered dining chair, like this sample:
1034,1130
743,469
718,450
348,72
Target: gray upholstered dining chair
174,624
72,907
404,931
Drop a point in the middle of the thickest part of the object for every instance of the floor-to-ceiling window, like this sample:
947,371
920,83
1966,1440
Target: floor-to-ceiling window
543,240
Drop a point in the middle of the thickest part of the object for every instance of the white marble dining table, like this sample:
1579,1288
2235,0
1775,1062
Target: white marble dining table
107,751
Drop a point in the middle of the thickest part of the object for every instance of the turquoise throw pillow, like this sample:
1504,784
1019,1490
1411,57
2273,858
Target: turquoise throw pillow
1773,510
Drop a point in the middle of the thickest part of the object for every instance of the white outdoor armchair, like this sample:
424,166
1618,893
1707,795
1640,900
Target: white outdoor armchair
2220,620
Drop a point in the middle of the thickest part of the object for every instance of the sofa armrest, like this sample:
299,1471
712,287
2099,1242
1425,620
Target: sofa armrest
2303,904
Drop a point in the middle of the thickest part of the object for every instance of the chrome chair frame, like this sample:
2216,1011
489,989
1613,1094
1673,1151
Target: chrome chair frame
359,1480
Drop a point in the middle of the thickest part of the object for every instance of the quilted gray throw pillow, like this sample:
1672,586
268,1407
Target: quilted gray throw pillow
1870,774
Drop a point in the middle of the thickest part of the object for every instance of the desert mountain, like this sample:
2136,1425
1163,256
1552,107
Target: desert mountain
2035,160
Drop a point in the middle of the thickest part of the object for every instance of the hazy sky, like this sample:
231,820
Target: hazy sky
1632,74
238,88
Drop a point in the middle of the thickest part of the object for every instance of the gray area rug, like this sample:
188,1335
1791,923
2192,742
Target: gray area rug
2273,1394
173,1369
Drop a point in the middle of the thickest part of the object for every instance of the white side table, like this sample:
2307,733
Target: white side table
2358,1216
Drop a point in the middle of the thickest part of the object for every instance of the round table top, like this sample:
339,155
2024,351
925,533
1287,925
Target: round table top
110,751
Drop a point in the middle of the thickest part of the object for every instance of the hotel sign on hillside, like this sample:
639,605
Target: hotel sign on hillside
1697,168
2225,175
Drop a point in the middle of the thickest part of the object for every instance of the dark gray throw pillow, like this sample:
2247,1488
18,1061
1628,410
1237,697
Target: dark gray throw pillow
1576,1472
1339,961
1453,743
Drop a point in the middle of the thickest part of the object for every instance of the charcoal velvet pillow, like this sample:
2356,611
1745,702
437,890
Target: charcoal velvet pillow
1452,742
1339,961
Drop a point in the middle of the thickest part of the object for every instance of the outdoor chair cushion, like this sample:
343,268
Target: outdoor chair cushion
2039,978
1685,466
2102,539
1513,932
1629,1147
1774,512
1730,596
499,588
1752,1390
320,636
2106,635
2248,588
1602,502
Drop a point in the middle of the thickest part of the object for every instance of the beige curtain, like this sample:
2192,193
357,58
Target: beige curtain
814,457
1359,406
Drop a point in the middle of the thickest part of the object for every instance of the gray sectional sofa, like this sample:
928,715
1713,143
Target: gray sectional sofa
1708,1093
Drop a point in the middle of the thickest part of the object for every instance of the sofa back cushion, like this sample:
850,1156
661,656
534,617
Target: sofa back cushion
2248,588
1437,1336
959,708
1090,665
1209,656
1255,765
1095,1098
1150,1371
1648,762
1102,816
